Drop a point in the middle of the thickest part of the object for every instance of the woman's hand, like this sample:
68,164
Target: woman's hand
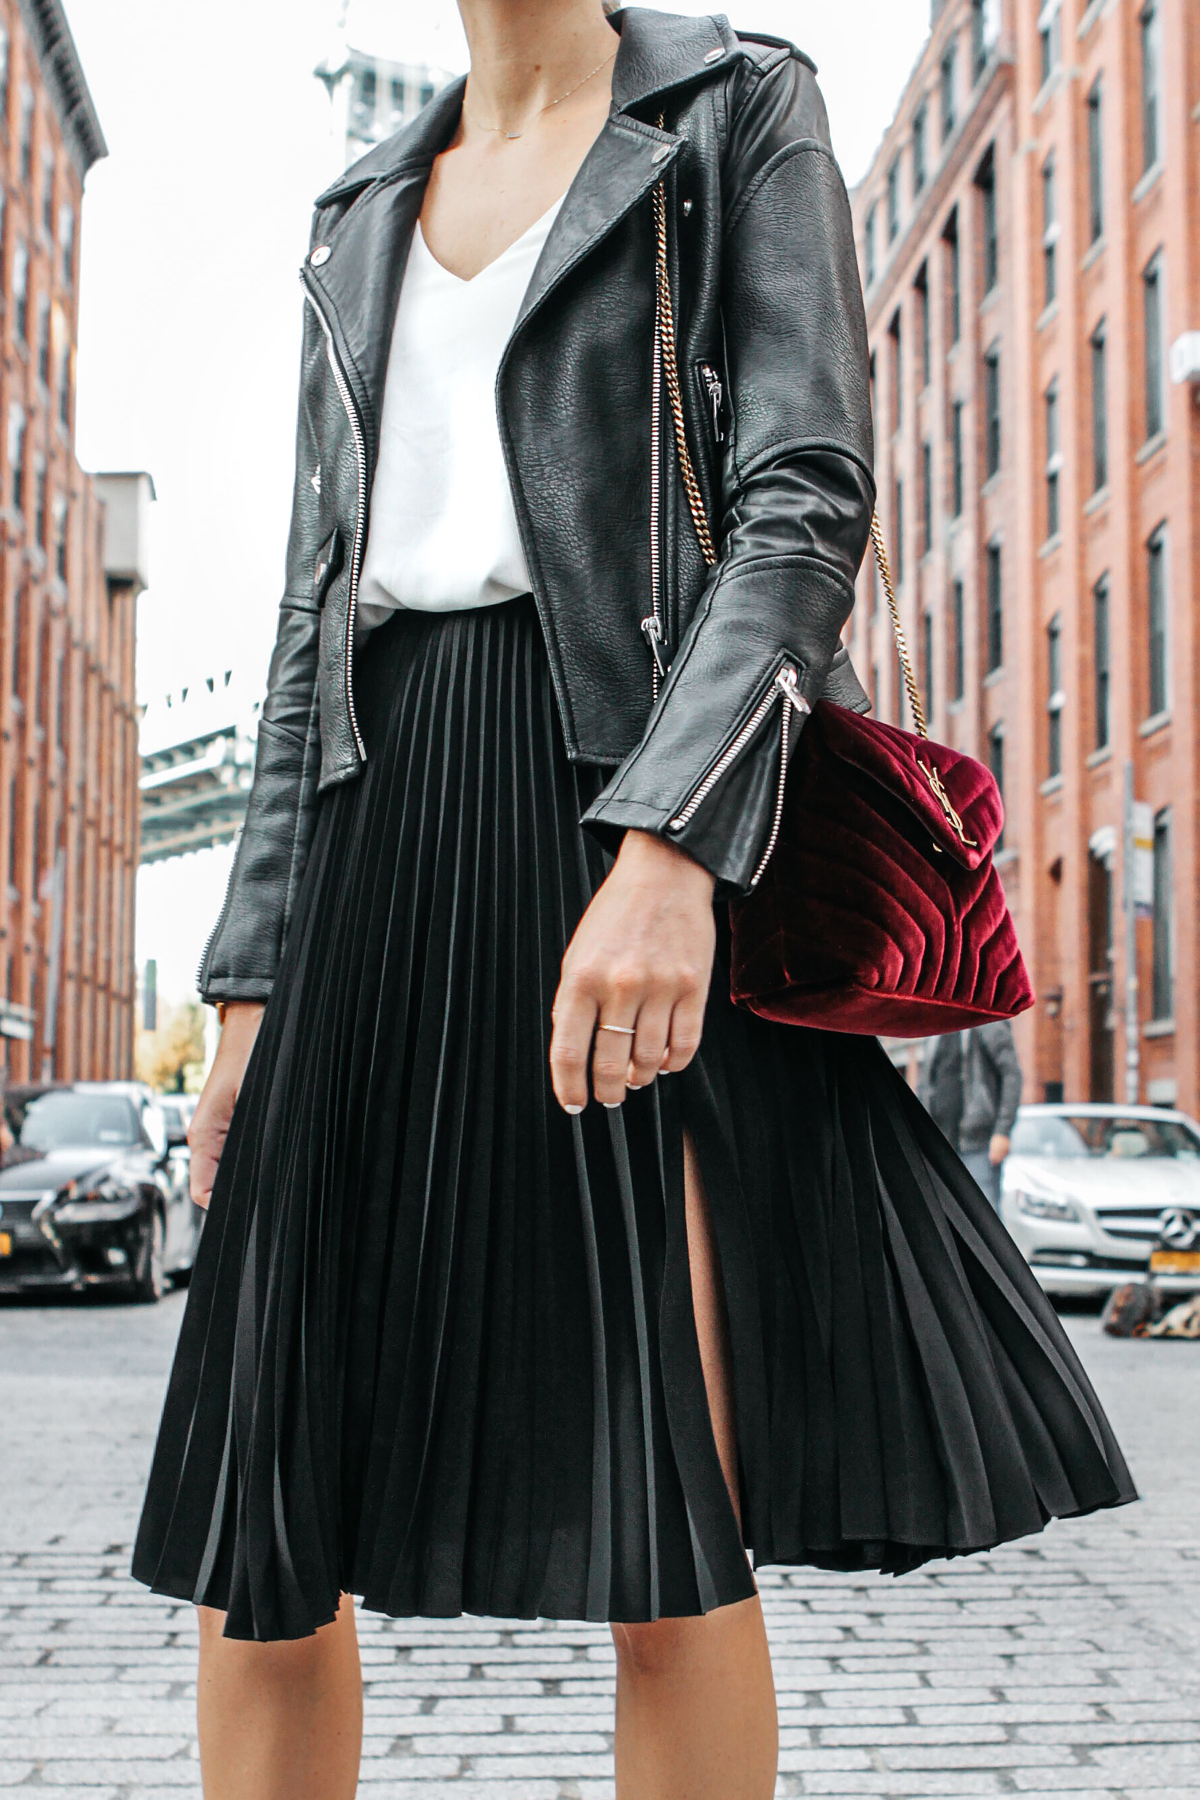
214,1109
640,958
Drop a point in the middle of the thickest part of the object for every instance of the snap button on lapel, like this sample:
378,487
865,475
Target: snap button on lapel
320,255
714,56
661,154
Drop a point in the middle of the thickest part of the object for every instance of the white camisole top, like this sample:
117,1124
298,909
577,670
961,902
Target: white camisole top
443,535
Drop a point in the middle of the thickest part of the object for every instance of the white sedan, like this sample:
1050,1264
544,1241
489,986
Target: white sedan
1090,1191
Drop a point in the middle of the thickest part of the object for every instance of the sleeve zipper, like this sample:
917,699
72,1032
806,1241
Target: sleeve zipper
784,686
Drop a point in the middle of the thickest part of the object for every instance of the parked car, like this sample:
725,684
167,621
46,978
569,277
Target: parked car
1089,1191
91,1196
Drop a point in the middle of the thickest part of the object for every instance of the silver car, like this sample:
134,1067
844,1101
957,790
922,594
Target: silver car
1090,1191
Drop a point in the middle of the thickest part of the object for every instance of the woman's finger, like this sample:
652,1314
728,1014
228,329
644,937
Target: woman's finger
615,1035
687,1026
650,1044
574,1017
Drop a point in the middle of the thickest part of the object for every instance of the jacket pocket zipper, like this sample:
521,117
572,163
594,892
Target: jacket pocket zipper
784,686
714,389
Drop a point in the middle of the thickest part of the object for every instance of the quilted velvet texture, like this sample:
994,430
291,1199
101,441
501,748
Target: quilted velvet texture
874,915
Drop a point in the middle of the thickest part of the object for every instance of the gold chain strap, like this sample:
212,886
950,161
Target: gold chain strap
666,325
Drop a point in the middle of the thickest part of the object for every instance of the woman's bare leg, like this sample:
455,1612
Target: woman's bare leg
696,1715
280,1721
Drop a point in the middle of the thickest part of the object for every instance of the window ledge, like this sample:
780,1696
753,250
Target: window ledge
1156,722
1159,1028
954,707
1005,859
1090,15
1050,545
1094,252
991,299
992,484
994,677
1051,785
1047,315
1096,759
1149,180
1150,449
1096,502
1047,90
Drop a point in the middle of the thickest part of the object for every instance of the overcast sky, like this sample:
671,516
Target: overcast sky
193,232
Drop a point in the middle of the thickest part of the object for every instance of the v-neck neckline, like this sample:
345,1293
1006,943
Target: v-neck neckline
470,280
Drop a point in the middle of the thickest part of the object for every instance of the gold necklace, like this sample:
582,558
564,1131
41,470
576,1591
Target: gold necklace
550,104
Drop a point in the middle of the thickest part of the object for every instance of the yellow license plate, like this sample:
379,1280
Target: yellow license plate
1175,1262
5,1243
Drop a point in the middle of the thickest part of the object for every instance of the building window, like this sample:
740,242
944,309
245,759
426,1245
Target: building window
64,387
897,361
899,531
66,243
893,201
1057,699
958,669
398,94
1095,153
425,93
926,497
1050,233
956,455
1100,657
43,341
953,277
16,457
1156,620
920,172
1049,39
978,38
991,428
985,181
20,282
869,246
1162,968
1053,461
927,659
922,301
366,98
1148,31
995,610
996,765
60,537
41,522
25,150
4,70
1099,408
946,92
48,192
1152,340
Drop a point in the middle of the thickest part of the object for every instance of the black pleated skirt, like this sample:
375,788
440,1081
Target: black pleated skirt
439,1348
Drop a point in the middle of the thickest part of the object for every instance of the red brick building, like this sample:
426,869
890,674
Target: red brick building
1030,243
68,726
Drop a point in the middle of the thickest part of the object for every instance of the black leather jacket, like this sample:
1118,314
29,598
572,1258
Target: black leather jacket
772,355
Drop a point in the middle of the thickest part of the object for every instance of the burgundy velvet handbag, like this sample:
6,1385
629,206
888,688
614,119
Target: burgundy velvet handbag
879,909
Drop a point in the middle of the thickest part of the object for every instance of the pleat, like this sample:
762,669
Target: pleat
439,1349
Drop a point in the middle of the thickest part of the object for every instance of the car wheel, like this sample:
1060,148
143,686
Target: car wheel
150,1281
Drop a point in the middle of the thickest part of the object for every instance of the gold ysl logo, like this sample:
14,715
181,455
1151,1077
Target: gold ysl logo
943,799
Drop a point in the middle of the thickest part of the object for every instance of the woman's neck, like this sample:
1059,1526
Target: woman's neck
526,54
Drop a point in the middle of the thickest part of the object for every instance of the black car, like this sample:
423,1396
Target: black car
91,1195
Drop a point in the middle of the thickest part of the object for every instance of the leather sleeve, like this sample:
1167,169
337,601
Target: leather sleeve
798,494
998,1042
242,955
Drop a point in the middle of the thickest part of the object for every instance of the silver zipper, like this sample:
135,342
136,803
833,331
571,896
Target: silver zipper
360,451
787,680
783,685
652,624
716,397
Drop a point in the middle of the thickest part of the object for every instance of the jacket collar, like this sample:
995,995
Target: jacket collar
658,51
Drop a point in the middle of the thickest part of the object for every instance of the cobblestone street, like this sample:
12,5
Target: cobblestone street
1068,1664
